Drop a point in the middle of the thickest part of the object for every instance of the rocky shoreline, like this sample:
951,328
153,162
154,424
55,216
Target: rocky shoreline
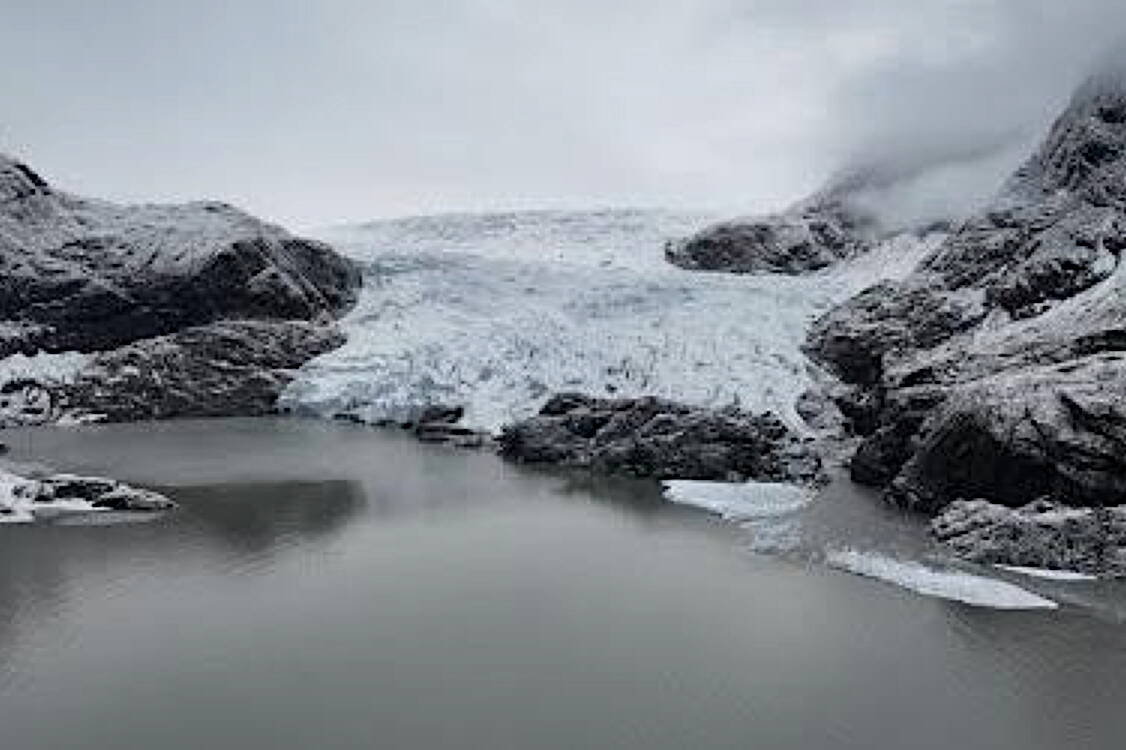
651,437
124,313
50,497
989,387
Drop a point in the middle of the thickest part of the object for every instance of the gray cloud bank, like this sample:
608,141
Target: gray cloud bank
316,112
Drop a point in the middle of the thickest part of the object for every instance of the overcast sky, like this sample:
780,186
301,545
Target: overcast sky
318,111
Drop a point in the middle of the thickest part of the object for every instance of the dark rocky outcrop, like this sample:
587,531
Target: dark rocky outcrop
998,369
78,274
189,310
429,423
651,437
230,368
811,235
1041,534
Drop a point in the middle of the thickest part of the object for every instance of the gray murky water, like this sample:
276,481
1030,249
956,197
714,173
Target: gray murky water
330,586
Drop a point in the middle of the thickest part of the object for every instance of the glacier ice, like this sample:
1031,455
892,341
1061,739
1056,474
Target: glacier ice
494,312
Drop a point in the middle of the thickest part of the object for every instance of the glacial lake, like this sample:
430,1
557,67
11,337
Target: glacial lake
332,586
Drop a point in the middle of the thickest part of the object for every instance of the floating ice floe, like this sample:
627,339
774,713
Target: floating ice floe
944,584
768,510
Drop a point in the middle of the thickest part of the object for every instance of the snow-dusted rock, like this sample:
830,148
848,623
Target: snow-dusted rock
1057,430
998,369
810,235
24,500
79,274
650,437
197,309
229,368
1041,535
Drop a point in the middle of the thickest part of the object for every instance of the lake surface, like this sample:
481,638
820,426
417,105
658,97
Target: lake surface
331,586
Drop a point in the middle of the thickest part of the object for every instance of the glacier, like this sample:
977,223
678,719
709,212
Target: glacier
495,312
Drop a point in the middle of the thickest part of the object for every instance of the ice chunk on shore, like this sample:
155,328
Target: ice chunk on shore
18,501
944,584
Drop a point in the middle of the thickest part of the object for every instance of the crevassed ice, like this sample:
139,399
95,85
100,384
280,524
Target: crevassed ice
495,312
944,584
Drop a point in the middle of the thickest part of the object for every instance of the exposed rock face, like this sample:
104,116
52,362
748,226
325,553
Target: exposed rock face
811,235
998,369
78,274
24,500
1039,535
233,368
650,437
192,310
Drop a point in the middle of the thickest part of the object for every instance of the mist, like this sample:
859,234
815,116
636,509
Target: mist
343,110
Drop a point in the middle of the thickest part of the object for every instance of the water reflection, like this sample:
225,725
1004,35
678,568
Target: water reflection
255,517
1069,666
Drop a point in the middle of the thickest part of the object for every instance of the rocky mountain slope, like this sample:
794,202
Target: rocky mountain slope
90,276
998,369
858,209
814,233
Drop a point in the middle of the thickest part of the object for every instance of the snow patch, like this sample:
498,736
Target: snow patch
496,312
944,584
17,504
43,367
1049,574
739,502
767,510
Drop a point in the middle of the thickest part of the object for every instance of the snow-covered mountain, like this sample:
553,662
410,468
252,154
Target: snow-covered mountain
194,309
495,312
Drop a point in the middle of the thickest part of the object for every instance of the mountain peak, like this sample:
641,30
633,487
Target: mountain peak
17,180
1085,152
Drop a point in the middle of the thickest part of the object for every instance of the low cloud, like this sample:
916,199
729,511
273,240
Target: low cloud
355,109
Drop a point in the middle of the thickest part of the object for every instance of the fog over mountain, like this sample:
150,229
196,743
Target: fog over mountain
351,109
